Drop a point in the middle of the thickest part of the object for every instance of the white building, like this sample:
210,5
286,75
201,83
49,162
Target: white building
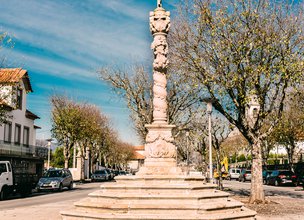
19,130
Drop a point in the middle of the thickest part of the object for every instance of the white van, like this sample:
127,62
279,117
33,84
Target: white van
234,173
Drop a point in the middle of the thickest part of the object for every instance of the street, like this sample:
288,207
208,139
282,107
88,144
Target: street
45,205
243,188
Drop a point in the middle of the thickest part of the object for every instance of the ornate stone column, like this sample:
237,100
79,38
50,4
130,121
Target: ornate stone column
160,151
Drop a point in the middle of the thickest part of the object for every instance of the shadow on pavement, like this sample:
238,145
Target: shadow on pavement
268,192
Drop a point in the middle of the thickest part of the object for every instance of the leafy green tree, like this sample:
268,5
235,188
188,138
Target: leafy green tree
238,49
290,129
57,158
66,125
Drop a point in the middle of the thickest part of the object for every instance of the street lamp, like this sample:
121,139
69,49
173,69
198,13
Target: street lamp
209,102
187,136
49,152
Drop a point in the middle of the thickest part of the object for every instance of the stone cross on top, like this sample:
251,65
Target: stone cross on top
159,3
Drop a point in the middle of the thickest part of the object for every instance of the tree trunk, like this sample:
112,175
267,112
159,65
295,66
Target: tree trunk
66,157
257,191
290,152
82,169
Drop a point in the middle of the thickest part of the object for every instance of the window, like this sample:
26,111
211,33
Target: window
7,132
17,133
255,113
3,168
19,99
26,136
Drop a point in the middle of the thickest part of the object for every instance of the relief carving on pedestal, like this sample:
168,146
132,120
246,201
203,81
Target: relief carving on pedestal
159,144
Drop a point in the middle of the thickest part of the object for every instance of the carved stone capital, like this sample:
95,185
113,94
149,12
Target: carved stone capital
159,21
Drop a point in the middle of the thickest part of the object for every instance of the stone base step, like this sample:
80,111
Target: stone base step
244,214
160,179
160,188
158,208
191,196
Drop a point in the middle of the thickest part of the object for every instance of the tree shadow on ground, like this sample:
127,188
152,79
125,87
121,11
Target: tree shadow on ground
246,192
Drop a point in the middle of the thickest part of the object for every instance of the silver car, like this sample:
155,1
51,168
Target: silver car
55,179
245,175
99,175
234,173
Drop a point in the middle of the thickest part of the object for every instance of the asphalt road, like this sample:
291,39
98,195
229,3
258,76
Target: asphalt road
45,205
243,188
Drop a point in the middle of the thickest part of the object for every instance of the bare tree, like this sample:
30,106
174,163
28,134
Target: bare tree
234,50
135,86
5,93
290,129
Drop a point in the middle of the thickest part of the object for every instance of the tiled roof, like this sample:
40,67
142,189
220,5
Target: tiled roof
138,156
14,75
138,148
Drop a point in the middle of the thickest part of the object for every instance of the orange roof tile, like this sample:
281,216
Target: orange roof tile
138,156
141,147
14,75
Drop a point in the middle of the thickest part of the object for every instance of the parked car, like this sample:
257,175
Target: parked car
234,173
245,175
55,179
282,177
111,174
122,172
300,178
100,175
266,174
116,172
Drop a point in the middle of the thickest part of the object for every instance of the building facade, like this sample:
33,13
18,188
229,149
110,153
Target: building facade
18,132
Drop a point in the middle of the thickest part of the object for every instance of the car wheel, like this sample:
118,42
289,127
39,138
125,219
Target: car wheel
71,186
3,193
276,183
60,187
243,180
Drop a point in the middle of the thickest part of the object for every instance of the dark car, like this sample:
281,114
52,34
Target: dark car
245,175
111,173
116,172
266,174
281,177
300,178
99,175
55,179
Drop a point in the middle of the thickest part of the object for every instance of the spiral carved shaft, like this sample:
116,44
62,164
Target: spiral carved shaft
159,26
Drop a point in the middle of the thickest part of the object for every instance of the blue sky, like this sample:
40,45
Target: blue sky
63,42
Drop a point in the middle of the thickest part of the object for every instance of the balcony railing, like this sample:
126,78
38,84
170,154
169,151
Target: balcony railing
28,151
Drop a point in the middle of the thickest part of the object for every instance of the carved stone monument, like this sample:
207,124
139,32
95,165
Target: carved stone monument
160,151
160,190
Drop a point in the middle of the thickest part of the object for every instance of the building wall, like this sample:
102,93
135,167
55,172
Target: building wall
18,117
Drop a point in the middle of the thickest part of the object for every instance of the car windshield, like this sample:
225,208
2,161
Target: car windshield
52,173
248,171
100,172
286,173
